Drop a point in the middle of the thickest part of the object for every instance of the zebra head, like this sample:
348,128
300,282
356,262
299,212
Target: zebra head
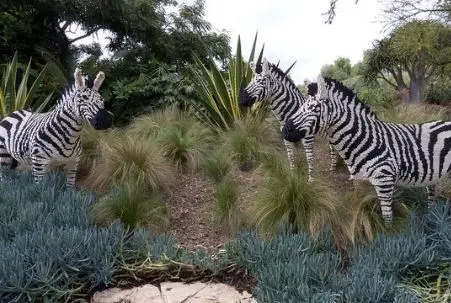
308,121
262,86
89,104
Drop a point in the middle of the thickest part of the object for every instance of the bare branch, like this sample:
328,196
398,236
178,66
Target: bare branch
87,34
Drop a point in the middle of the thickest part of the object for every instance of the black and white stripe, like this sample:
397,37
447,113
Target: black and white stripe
273,86
383,153
45,139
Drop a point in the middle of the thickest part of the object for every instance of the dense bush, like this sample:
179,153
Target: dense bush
293,268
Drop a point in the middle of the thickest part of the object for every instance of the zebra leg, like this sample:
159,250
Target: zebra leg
39,168
308,146
290,146
431,195
384,190
71,172
333,158
6,160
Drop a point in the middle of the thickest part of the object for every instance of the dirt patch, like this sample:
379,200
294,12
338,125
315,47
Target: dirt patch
191,208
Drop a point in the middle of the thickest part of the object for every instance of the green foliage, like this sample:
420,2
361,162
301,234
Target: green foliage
123,159
409,57
405,113
227,208
133,207
287,198
13,98
217,165
219,92
340,70
249,140
293,268
49,251
186,143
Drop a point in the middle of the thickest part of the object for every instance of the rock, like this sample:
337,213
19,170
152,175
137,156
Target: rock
176,292
142,294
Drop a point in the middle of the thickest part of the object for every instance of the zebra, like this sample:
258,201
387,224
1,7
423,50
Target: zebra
45,139
272,85
385,154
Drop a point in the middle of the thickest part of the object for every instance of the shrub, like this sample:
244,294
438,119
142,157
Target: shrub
124,159
227,208
217,165
249,140
186,144
286,197
408,113
133,207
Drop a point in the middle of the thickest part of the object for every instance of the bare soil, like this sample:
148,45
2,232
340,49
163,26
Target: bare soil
191,204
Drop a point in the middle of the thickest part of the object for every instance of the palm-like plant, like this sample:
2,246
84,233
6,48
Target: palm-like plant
218,92
13,98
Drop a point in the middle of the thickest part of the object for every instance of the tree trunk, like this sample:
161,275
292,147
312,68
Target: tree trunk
416,90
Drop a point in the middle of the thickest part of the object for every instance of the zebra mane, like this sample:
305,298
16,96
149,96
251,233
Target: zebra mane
348,95
283,76
70,89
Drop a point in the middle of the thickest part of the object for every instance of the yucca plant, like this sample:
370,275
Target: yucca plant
135,208
13,98
124,159
287,198
219,92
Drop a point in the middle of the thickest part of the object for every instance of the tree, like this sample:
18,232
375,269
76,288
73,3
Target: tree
402,11
53,26
409,56
340,70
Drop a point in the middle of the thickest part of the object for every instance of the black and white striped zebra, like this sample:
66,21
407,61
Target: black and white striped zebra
272,85
383,153
45,139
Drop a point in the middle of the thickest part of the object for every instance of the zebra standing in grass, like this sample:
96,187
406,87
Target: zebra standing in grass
383,153
272,85
44,139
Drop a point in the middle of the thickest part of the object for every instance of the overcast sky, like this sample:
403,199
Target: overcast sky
295,30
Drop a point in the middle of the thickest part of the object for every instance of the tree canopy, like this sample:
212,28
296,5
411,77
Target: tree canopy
409,56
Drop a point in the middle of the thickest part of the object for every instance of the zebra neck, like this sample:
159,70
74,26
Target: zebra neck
347,126
66,116
286,103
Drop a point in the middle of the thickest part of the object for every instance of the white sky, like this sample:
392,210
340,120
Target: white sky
294,30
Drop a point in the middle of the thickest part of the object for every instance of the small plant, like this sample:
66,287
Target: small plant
287,198
365,215
227,209
133,207
217,165
185,144
249,140
124,159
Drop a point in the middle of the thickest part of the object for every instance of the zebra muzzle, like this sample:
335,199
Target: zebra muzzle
245,98
291,133
102,120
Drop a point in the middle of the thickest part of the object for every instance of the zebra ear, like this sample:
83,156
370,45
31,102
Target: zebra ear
79,80
265,66
252,66
98,81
